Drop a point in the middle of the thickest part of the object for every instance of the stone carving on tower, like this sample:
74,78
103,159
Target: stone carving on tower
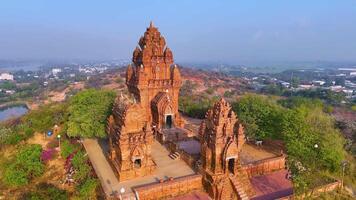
222,138
154,81
130,139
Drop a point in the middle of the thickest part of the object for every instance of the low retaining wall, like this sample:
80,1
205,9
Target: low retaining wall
265,166
322,189
316,191
170,188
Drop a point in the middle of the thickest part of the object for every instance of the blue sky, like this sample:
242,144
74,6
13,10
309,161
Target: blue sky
196,30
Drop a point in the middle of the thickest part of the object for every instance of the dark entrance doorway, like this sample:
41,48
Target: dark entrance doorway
137,163
169,121
231,165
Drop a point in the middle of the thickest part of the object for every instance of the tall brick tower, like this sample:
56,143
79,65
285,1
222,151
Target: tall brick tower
154,81
154,84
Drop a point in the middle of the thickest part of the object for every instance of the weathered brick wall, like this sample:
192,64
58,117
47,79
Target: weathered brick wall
170,188
316,191
265,166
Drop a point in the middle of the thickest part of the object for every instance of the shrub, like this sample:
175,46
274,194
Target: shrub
68,148
87,190
45,191
47,154
80,164
9,136
25,166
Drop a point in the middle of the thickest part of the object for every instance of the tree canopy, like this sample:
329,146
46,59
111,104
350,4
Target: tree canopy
314,146
88,111
260,115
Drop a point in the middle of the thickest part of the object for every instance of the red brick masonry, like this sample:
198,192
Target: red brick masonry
265,166
170,188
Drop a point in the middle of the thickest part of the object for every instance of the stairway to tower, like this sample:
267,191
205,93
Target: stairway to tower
242,184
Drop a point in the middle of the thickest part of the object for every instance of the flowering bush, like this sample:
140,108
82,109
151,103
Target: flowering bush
47,155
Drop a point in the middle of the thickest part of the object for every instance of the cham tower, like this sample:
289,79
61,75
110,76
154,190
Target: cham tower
222,138
153,83
130,139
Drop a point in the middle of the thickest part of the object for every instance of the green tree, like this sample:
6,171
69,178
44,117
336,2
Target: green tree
312,142
228,94
7,85
260,115
273,89
295,82
209,90
196,105
314,146
46,117
88,112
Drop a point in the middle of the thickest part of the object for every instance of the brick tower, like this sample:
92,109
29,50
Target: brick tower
130,140
154,81
222,139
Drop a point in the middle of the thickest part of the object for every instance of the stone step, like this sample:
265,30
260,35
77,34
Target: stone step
239,188
174,155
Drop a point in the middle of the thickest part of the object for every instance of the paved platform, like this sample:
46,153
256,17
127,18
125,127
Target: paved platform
166,167
251,153
192,146
175,134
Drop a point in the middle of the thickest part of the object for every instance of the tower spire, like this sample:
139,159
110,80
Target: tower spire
151,24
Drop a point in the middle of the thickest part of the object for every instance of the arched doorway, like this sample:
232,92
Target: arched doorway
231,155
168,117
231,165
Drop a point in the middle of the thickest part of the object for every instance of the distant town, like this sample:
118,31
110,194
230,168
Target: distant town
17,83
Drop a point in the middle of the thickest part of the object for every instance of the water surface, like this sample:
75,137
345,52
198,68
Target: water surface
12,112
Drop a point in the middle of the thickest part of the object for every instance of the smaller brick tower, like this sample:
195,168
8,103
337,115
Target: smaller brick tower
130,139
222,140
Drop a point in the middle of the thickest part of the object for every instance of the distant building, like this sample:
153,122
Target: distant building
305,87
318,83
348,93
336,88
6,76
350,84
284,84
55,71
352,73
10,91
